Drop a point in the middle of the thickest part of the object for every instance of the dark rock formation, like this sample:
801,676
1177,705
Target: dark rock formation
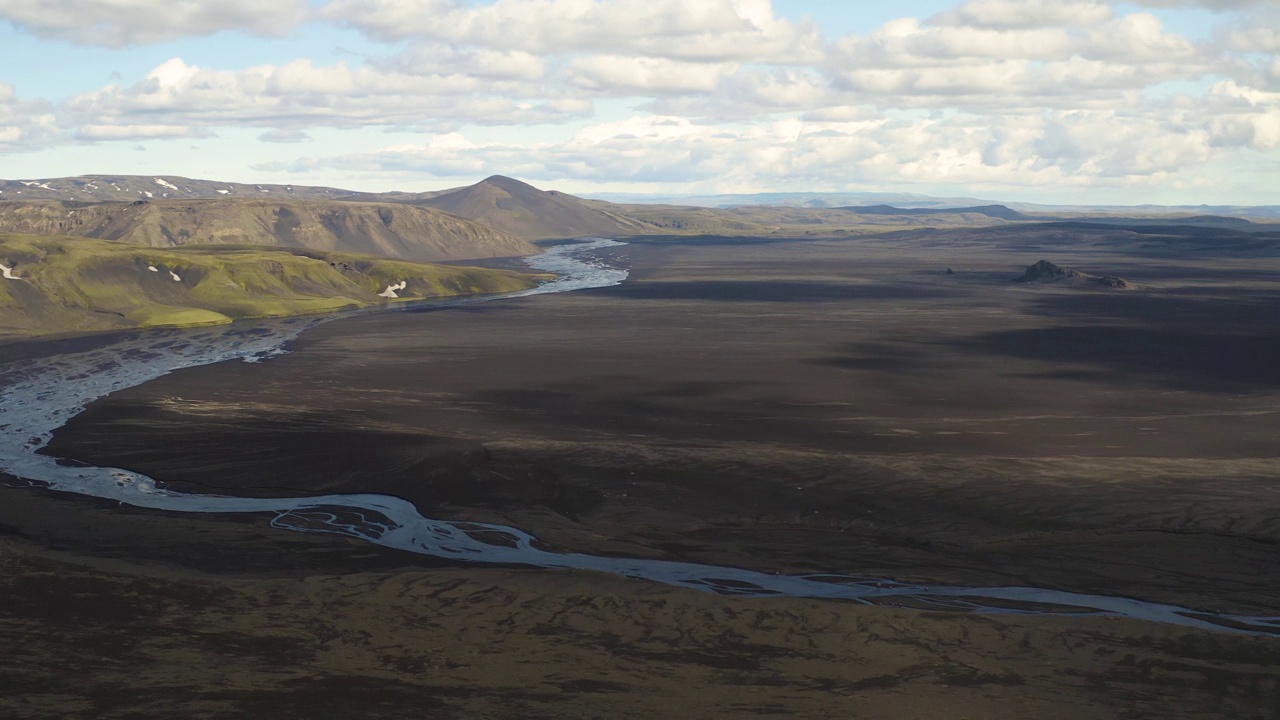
1047,272
1112,281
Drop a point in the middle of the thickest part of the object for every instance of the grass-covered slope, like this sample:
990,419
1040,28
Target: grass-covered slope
399,231
59,284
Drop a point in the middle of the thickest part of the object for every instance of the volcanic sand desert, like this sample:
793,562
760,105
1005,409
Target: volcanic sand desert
826,404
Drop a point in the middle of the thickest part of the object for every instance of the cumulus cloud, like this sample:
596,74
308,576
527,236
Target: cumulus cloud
1254,38
116,23
431,58
284,136
25,125
990,92
911,64
751,93
708,30
1257,31
300,94
139,132
1217,5
907,43
1026,13
646,76
1067,148
1244,116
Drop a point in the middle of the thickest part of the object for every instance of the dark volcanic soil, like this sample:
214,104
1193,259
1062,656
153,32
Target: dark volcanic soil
826,405
111,613
836,405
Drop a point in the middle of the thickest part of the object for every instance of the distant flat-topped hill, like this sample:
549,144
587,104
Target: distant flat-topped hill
525,211
391,230
994,211
1045,272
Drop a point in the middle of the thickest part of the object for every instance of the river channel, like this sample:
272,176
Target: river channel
41,395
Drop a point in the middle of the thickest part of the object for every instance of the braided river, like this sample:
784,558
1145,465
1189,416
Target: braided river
39,396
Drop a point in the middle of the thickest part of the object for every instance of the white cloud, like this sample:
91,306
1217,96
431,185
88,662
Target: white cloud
1257,31
431,58
1255,39
906,43
1068,148
284,136
991,92
751,93
1139,38
1026,13
1217,5
984,69
631,76
25,125
707,30
1244,116
139,132
300,94
116,23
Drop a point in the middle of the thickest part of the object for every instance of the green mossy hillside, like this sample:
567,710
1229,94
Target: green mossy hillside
67,284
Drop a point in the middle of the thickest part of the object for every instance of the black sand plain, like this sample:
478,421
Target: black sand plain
815,404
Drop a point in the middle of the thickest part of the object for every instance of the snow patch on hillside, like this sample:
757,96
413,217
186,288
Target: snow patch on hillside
390,292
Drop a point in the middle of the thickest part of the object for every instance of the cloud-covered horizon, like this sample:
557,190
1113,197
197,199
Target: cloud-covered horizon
670,95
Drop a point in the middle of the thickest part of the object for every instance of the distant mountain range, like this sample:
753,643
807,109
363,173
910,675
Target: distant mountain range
910,201
500,200
120,188
793,199
994,211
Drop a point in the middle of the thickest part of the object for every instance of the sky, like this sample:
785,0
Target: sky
1062,101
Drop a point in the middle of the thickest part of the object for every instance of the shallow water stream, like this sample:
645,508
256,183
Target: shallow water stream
41,395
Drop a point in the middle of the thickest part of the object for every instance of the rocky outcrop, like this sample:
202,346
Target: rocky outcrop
1045,272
